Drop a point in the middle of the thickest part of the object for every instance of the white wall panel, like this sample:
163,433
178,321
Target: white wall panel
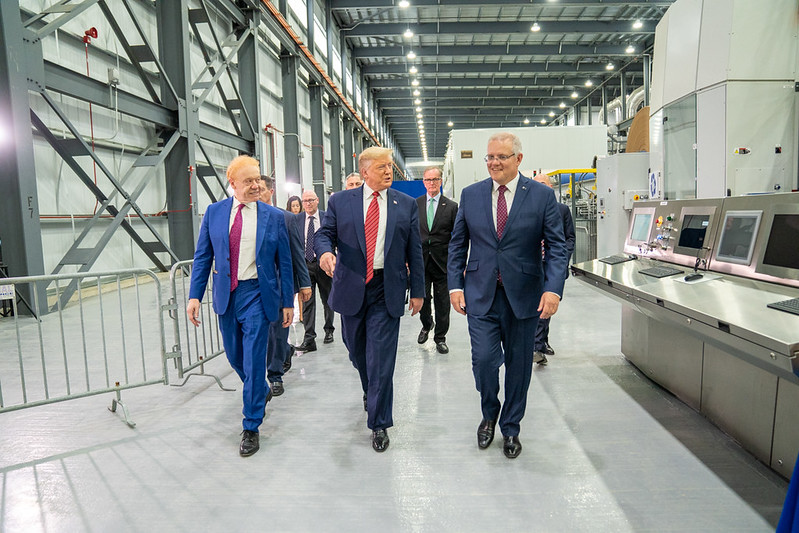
659,64
714,43
711,142
682,50
764,35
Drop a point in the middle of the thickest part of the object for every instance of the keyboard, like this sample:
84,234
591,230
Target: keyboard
789,306
661,272
616,259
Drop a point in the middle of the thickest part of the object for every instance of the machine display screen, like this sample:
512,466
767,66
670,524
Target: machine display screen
641,225
738,234
692,233
782,249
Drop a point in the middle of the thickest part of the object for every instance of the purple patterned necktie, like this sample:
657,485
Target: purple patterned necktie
235,242
502,211
502,218
309,237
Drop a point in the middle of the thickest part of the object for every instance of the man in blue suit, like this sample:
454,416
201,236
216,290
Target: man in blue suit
279,351
369,236
248,243
500,224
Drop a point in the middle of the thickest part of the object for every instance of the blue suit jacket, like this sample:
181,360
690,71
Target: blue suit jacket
533,216
343,233
272,256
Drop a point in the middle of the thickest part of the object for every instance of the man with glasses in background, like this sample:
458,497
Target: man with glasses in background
503,288
436,220
311,219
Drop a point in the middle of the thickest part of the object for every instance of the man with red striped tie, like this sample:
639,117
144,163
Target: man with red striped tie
374,231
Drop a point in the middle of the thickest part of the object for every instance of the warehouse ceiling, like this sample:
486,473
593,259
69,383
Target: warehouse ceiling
464,64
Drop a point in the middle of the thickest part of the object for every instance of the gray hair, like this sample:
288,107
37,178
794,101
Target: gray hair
505,136
438,169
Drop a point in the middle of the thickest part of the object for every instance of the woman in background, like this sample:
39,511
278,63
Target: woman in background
294,205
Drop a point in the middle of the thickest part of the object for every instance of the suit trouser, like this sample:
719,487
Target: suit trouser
542,334
245,333
433,277
500,338
323,282
371,336
277,350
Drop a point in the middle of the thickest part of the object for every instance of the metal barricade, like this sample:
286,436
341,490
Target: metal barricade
96,343
193,346
585,245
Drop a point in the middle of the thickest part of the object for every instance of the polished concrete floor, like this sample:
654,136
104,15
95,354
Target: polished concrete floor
604,450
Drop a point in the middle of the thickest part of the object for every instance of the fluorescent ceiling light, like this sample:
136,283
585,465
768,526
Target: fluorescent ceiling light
638,24
413,70
411,55
575,95
415,83
535,27
408,34
588,83
526,120
417,101
450,124
551,113
610,66
416,92
543,121
630,49
562,105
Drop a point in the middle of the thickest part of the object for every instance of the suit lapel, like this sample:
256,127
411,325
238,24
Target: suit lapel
226,223
261,215
391,217
356,207
519,197
486,198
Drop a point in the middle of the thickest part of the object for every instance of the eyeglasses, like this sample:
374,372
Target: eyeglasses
310,200
433,180
501,158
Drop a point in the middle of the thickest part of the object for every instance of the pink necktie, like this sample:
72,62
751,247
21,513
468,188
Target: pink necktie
502,218
235,242
370,229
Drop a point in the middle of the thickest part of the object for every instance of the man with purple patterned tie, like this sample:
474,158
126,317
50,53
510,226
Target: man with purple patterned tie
248,243
500,225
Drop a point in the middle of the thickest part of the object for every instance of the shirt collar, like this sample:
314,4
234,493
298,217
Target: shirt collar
367,191
437,197
248,205
511,185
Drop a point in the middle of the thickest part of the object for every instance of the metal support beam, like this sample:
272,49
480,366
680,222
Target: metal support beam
576,114
590,111
623,80
552,27
330,27
310,25
334,114
179,166
605,104
20,231
291,119
349,148
317,142
249,83
647,73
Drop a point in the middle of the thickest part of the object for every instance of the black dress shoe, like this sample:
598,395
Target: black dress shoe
485,433
287,364
269,396
548,350
442,347
307,346
511,447
364,403
328,337
423,335
539,358
380,440
249,443
277,388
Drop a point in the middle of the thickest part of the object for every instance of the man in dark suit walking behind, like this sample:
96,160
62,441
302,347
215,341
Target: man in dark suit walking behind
436,220
311,219
370,244
500,225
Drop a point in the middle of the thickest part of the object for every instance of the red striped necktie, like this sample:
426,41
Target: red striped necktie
370,229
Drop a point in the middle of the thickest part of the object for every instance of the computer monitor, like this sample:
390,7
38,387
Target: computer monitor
641,226
738,234
781,254
693,231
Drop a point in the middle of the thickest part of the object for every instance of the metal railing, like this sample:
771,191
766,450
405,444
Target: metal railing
97,342
193,346
585,243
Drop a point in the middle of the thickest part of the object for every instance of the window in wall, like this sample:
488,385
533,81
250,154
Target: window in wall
269,154
336,63
679,139
320,36
300,10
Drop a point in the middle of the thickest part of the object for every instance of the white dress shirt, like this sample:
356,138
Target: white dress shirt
509,194
316,226
382,200
249,225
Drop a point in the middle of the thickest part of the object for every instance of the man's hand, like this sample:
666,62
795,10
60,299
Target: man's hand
288,316
328,263
415,305
458,302
549,304
305,294
193,310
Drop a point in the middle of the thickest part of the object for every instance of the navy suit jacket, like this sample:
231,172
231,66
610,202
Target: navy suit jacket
272,255
343,233
320,220
533,216
296,242
568,232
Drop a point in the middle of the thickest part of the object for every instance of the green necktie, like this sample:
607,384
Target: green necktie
431,213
